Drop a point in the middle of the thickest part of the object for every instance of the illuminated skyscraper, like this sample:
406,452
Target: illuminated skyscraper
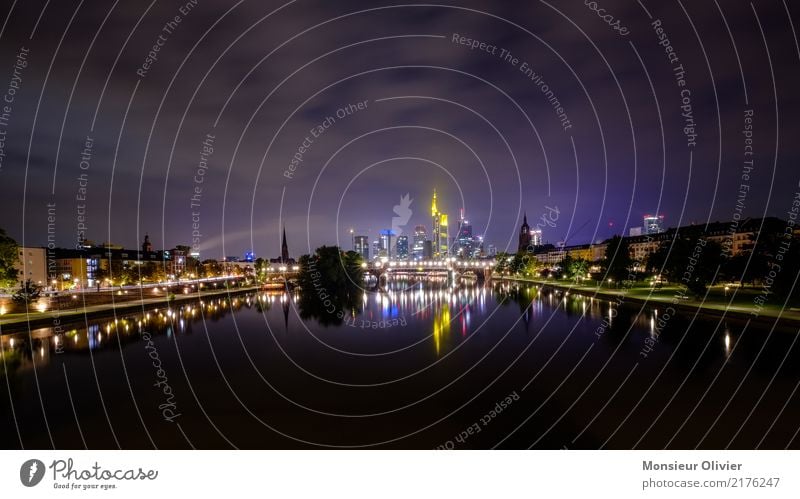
362,246
465,243
386,243
420,236
536,237
653,224
440,233
402,247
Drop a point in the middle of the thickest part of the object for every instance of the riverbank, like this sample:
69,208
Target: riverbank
12,323
737,307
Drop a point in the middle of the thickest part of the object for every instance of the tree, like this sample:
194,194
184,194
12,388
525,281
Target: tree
502,259
577,269
212,268
688,259
518,263
151,271
9,257
532,266
618,259
261,269
332,283
28,292
565,265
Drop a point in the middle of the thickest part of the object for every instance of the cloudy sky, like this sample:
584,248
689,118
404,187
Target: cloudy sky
435,112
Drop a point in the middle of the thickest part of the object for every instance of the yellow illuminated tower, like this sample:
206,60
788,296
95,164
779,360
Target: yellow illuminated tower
440,232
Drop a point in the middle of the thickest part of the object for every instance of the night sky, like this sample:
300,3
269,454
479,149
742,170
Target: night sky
479,127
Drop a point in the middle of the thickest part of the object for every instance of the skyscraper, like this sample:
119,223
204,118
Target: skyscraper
536,237
376,248
362,246
386,243
427,249
440,231
420,236
464,246
653,224
402,247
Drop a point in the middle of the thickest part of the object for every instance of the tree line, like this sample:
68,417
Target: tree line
772,261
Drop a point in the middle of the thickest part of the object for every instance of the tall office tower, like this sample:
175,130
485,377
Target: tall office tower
386,243
478,248
362,246
536,237
427,250
402,247
653,224
440,231
420,236
464,245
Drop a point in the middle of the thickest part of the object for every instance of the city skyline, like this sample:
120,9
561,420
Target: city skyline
306,224
250,188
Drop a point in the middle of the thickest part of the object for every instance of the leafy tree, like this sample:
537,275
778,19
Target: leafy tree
502,262
212,268
332,284
688,259
618,259
151,271
518,263
565,265
9,256
114,270
532,266
261,269
577,268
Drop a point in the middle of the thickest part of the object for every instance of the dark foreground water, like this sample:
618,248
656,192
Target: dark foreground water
421,366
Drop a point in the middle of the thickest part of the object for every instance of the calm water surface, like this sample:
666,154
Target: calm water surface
419,365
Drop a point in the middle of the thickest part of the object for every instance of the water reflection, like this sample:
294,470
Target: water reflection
436,307
22,350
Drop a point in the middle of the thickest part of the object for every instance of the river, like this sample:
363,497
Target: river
419,364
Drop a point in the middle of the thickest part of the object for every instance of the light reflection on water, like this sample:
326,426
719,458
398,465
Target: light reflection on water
398,345
435,307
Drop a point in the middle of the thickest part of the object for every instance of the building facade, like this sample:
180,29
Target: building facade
361,245
441,235
32,264
420,236
402,247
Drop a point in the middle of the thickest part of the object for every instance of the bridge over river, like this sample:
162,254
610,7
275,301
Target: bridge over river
480,269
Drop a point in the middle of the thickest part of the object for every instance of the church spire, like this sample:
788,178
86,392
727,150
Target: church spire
284,248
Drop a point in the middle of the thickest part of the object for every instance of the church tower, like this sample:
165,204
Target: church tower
147,247
524,235
284,248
